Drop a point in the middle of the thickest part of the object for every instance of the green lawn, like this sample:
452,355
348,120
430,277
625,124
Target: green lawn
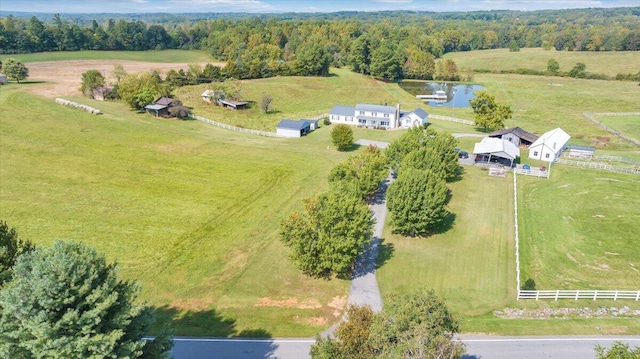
189,210
609,63
627,125
473,264
588,238
164,56
192,211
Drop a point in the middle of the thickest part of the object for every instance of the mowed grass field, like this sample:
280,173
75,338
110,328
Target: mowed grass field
588,238
192,211
609,63
189,210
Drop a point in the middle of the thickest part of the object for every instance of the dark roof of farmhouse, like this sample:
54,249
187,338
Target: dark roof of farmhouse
530,137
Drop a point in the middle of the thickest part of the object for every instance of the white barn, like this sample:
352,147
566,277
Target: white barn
549,146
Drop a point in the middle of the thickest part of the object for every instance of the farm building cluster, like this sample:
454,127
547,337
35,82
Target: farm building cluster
503,146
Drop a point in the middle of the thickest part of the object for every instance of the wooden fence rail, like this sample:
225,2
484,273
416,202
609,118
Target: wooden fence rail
591,117
234,128
453,119
531,172
598,165
579,294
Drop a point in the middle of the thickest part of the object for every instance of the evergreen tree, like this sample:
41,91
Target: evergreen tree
65,301
11,247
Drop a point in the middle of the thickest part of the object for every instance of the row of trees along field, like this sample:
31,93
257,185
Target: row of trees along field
388,45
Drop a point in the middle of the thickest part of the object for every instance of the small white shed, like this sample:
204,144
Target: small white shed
292,128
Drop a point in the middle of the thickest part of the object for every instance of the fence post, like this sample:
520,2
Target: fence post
557,293
615,296
577,294
595,294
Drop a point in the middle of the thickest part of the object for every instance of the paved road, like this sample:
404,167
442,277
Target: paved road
477,347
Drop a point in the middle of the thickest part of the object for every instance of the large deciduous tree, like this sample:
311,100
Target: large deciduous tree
65,301
490,115
328,236
415,325
441,154
416,202
386,62
90,80
363,172
139,90
11,247
15,70
342,136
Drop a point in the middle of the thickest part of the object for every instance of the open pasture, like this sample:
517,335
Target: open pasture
588,238
627,125
189,210
192,211
609,63
542,103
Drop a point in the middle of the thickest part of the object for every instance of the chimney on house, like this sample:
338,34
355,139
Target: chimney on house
397,115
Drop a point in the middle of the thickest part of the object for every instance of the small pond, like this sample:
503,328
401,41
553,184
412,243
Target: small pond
458,95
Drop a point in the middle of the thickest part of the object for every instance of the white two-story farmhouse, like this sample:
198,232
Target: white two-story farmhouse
377,116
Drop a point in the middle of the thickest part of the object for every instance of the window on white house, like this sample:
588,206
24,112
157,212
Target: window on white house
384,123
361,113
546,155
374,114
386,115
535,153
362,121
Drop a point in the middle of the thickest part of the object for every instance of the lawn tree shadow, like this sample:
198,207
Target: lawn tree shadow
385,253
458,175
210,323
446,225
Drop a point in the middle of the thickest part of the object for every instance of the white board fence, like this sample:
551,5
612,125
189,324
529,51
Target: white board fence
556,294
452,119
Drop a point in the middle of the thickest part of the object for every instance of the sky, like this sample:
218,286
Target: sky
279,6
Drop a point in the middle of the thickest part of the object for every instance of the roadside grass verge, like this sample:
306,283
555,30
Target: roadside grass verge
609,63
166,56
190,211
587,238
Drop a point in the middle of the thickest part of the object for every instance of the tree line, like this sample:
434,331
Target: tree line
388,45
